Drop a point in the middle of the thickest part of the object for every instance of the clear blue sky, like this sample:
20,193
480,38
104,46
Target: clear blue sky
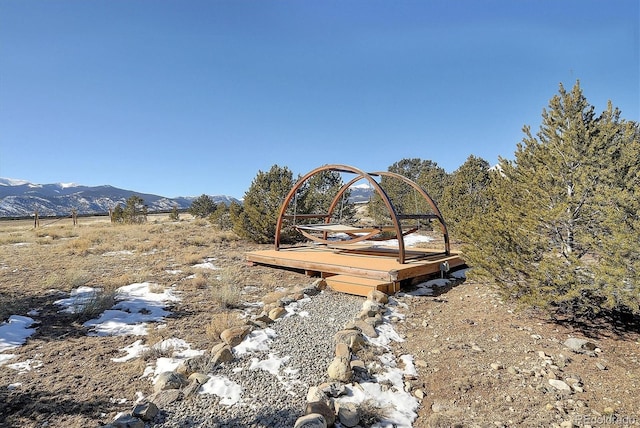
181,98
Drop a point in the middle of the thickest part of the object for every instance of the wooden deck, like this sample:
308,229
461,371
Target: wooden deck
357,269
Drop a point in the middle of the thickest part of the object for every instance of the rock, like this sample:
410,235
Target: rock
342,351
265,319
352,338
333,389
235,335
311,291
145,411
601,366
276,313
577,387
313,420
375,320
164,398
366,328
296,296
321,408
199,378
419,394
371,308
580,346
127,421
192,365
357,365
340,370
348,414
476,348
421,363
496,366
512,370
320,284
169,380
378,296
315,394
559,385
223,354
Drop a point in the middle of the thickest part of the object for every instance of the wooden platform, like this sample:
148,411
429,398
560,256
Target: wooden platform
358,269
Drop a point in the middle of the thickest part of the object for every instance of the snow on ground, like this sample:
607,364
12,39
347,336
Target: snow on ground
207,264
229,391
14,333
138,304
427,288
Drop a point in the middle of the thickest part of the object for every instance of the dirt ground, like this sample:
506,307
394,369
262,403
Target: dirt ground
480,362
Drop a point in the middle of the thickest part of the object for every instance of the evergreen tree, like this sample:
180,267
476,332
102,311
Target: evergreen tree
257,220
562,216
117,215
221,217
174,215
464,197
203,206
134,210
318,193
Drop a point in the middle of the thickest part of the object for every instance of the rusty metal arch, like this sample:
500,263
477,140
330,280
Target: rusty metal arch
395,218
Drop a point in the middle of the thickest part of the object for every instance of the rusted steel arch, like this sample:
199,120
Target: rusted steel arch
415,186
395,218
338,168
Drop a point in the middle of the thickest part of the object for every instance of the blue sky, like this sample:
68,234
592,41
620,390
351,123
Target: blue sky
183,98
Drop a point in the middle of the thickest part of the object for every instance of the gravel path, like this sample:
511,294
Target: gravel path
273,396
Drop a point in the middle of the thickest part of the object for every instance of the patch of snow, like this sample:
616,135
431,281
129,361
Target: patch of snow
26,366
228,391
271,364
118,253
173,271
257,340
13,386
137,305
6,357
78,299
15,331
133,351
207,264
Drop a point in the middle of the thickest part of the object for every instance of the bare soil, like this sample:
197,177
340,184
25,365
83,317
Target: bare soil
480,361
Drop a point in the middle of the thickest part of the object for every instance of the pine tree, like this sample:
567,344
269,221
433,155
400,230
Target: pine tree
561,215
203,206
257,220
464,197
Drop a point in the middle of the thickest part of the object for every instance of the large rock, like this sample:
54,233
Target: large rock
276,313
235,335
192,365
340,369
371,308
321,408
580,346
221,353
366,328
352,338
145,411
333,389
343,351
169,380
320,284
348,414
560,385
164,398
314,420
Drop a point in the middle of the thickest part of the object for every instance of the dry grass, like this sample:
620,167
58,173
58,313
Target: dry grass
220,322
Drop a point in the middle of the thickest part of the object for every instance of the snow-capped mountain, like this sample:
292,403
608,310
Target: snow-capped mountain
20,198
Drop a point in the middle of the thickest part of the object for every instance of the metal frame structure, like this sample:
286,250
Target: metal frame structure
360,234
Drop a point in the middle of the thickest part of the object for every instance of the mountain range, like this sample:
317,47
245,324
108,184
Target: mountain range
20,198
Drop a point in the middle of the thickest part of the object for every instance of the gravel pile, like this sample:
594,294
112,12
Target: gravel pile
273,396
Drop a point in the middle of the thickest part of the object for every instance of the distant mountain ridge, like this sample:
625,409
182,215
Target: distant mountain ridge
20,198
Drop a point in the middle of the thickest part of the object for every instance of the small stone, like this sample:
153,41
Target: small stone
320,284
199,378
192,365
577,387
315,394
235,335
357,364
297,296
311,291
321,408
542,355
536,337
169,380
419,394
333,389
421,363
566,424
265,319
145,411
371,308
559,385
127,421
348,415
608,411
496,366
276,313
378,296
366,328
512,370
313,420
476,348
601,366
